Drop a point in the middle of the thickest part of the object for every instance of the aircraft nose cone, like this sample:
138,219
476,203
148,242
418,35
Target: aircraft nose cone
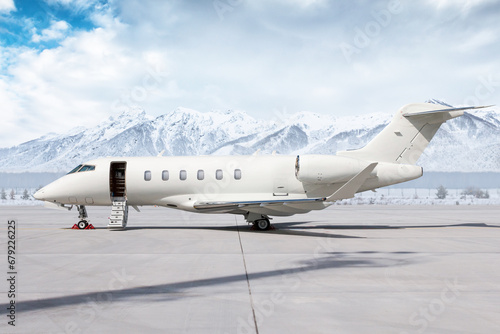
39,194
52,192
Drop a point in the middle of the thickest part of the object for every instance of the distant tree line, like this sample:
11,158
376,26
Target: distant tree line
3,194
442,192
12,195
476,192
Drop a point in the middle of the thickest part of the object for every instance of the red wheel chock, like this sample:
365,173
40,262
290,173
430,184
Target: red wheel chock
89,227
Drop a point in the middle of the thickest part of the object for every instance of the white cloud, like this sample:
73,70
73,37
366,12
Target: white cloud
56,30
477,40
75,5
458,3
302,4
7,6
11,103
90,76
465,6
161,55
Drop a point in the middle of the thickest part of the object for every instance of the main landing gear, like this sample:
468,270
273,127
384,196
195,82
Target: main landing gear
83,224
260,222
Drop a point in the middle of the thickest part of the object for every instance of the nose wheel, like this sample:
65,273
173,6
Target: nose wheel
83,224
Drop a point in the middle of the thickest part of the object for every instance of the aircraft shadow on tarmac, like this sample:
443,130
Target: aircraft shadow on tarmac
242,229
293,272
278,228
298,229
377,227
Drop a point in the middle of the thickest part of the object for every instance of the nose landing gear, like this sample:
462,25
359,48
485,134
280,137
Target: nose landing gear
83,224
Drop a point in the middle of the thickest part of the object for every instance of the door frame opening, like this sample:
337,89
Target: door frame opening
117,179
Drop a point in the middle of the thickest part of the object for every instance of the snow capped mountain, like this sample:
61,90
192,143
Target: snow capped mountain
470,143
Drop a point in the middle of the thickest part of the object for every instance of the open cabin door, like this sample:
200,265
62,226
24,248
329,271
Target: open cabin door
117,184
118,194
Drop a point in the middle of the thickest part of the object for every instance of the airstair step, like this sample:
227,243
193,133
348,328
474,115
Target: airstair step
119,212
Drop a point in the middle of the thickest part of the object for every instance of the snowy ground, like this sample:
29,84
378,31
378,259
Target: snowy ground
388,196
384,196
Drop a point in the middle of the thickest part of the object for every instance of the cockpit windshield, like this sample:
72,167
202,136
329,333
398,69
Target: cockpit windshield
86,168
82,168
75,169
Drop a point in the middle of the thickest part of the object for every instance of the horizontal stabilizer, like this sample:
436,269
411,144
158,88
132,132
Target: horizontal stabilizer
442,110
352,186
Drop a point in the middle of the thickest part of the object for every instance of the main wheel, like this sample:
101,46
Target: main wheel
82,224
263,224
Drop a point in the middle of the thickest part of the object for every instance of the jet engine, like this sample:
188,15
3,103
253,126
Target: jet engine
324,169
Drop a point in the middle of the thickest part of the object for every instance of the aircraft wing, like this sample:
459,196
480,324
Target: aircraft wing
352,186
346,191
209,206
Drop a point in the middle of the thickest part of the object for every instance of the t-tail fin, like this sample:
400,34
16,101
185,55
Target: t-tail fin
408,134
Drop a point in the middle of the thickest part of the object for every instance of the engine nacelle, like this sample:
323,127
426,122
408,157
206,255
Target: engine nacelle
324,169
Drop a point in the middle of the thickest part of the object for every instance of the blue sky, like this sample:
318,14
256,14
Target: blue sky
68,63
25,25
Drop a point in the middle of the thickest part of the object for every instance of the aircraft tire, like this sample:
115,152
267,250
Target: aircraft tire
82,224
263,224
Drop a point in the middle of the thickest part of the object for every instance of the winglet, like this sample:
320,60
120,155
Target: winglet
349,189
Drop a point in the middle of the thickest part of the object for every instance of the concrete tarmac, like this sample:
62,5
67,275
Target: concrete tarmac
346,269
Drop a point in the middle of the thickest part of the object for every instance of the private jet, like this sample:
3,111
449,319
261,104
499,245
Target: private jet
255,186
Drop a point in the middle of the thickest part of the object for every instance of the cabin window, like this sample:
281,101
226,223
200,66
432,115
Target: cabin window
164,175
183,175
237,174
201,174
147,175
218,174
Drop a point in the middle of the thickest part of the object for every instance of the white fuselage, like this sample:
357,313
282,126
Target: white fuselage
181,182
